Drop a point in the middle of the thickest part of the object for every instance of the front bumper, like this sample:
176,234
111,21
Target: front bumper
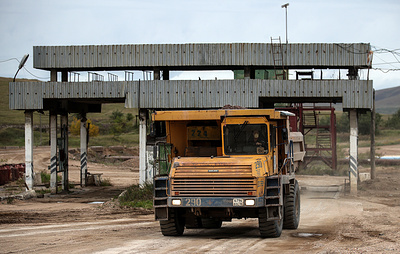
220,202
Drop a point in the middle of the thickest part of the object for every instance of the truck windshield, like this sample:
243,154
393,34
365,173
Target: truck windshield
244,139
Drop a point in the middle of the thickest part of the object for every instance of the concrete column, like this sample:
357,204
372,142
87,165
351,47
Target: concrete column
64,76
83,152
142,146
29,149
165,74
247,72
372,152
53,75
64,124
157,75
53,152
353,151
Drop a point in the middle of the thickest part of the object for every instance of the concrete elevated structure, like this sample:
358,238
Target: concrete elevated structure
61,97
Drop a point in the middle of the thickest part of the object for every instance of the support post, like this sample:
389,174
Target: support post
83,151
142,146
53,152
29,149
247,72
53,75
372,152
333,138
64,136
165,74
353,151
157,74
64,76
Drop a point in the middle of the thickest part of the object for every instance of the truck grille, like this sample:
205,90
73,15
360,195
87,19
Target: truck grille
213,181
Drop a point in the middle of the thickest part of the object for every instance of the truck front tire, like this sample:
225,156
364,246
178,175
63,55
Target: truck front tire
292,207
175,225
267,228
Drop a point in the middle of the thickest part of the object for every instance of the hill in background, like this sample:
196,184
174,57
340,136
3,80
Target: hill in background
387,101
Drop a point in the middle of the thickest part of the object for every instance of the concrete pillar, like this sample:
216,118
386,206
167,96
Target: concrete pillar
64,76
372,152
142,146
353,151
64,136
29,149
53,152
165,74
53,75
247,72
157,75
84,134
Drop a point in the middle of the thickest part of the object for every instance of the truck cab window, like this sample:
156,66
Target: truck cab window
245,139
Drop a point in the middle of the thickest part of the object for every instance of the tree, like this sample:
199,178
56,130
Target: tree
394,121
120,124
364,123
75,127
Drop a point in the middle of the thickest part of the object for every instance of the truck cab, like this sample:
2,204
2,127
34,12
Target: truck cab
224,164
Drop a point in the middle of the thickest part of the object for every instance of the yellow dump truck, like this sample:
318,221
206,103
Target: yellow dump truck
215,165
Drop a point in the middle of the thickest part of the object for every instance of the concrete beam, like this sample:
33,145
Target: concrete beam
353,151
142,146
84,134
29,149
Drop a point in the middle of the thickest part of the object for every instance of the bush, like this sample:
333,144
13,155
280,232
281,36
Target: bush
75,128
394,121
138,196
121,124
364,123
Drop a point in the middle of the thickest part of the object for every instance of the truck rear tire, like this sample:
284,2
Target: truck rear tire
211,223
175,225
267,228
292,207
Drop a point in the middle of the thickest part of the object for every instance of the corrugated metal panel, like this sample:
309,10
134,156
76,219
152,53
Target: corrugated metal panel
192,93
209,56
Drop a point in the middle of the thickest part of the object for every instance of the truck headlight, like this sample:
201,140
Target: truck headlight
250,202
176,202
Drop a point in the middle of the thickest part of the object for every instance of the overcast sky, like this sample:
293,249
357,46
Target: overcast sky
24,24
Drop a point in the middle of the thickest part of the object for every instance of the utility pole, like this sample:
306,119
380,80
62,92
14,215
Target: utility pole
285,6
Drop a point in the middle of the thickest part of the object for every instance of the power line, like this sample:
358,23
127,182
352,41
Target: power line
34,74
3,61
385,70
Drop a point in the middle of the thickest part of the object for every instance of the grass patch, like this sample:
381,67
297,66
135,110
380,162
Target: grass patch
42,192
105,182
138,196
16,137
125,139
319,168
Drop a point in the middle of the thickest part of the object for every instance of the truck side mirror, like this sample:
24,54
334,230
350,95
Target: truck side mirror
284,134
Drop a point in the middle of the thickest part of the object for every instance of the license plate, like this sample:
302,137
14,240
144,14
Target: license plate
238,202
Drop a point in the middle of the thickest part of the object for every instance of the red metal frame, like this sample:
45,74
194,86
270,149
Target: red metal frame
327,154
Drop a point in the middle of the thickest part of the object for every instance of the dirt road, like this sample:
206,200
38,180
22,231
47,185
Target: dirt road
330,223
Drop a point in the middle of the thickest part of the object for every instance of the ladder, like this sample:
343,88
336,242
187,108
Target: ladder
274,197
277,55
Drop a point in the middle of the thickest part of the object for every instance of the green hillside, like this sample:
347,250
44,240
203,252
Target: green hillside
387,101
